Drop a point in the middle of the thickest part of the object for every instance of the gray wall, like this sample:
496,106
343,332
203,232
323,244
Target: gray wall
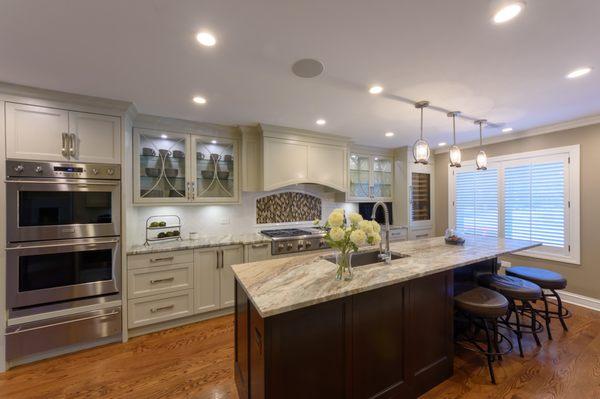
582,279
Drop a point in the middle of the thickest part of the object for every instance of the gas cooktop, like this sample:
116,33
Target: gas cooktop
285,241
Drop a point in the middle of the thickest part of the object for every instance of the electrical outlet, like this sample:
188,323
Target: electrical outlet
225,221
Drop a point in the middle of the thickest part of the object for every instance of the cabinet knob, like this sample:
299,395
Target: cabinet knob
110,171
95,171
19,168
38,169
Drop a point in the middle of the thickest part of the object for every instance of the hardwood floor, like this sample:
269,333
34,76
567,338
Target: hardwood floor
196,361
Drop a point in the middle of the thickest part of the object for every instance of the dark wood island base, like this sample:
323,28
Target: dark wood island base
390,342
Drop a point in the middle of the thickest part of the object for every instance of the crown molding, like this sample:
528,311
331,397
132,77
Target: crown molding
557,127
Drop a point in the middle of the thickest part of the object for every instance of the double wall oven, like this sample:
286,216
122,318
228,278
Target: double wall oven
63,252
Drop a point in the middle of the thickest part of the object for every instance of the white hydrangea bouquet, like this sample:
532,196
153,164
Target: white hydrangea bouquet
346,236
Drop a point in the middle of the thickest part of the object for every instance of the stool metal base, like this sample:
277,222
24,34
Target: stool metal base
561,313
525,309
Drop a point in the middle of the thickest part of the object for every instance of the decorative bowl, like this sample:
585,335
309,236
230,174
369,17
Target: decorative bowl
152,172
199,155
207,174
228,158
170,172
178,154
148,152
215,157
223,174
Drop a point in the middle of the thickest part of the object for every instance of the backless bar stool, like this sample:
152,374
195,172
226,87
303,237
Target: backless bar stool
482,307
547,280
516,289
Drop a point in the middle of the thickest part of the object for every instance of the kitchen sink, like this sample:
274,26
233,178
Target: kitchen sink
366,258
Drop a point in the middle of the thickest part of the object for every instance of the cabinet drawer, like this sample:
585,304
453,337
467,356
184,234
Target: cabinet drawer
420,234
158,308
258,251
157,280
159,259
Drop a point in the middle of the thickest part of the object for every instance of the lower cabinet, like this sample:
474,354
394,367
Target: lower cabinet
419,234
391,342
170,285
257,252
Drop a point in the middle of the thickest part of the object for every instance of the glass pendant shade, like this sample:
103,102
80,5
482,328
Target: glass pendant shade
455,156
481,160
421,152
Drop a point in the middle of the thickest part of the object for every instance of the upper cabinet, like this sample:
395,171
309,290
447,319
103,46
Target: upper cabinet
292,156
50,134
184,168
371,176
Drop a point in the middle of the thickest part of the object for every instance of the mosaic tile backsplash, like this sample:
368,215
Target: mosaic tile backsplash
288,207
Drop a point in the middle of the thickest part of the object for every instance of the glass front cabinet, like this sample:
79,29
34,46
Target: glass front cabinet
184,168
371,178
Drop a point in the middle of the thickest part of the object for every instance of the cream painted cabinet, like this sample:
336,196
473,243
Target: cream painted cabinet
285,163
213,277
370,178
51,134
206,279
96,138
36,133
325,165
257,252
174,168
231,255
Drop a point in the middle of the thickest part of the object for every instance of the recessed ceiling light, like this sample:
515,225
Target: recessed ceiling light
507,129
442,144
206,39
579,72
199,100
163,136
375,89
508,10
389,134
214,141
321,122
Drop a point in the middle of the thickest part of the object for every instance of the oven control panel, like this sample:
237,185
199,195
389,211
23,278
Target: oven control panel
32,169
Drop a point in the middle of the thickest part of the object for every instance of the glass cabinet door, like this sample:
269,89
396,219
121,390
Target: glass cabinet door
216,170
382,178
360,176
160,166
420,192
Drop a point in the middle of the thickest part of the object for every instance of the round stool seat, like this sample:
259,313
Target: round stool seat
482,302
544,278
512,287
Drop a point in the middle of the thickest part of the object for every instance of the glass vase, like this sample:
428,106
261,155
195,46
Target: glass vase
344,266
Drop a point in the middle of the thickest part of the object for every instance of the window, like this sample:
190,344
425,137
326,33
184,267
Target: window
528,196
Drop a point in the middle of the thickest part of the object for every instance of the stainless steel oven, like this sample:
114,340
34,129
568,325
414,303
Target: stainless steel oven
48,272
51,201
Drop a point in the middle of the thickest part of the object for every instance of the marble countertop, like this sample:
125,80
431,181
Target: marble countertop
281,285
201,242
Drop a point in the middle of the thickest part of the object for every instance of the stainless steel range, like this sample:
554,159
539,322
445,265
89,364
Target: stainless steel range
287,241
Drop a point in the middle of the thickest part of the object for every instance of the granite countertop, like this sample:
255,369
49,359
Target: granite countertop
281,285
201,242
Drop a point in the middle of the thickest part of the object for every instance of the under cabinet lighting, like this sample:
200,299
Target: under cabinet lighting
199,100
389,134
508,10
321,122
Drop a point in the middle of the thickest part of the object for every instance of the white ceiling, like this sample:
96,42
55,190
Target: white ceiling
446,52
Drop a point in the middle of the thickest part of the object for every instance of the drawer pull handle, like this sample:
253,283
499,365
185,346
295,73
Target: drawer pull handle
154,310
162,280
421,235
166,259
261,245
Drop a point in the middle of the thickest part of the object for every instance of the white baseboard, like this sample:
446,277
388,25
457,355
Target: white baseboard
580,300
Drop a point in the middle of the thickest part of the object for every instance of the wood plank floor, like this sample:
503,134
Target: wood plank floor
196,361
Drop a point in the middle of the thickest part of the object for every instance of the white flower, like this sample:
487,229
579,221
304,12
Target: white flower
336,219
355,218
336,234
376,226
366,226
358,237
375,238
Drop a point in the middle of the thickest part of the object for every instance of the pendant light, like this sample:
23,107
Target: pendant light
455,155
421,150
481,159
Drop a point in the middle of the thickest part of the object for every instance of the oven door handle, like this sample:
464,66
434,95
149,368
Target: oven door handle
65,181
19,330
113,241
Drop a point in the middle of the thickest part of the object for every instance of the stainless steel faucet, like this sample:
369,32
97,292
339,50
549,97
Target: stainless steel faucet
387,255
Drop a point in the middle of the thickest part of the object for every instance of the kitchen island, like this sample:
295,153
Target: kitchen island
299,333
